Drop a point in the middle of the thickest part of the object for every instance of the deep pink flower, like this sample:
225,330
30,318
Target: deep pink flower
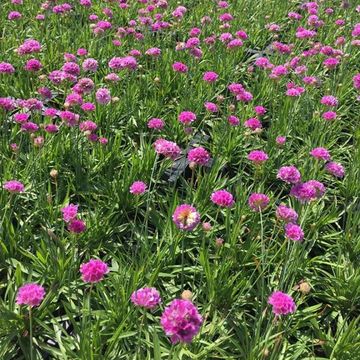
199,156
211,107
30,294
14,186
90,65
181,321
233,120
138,188
222,198
180,67
253,124
186,217
167,148
93,271
335,169
210,76
69,212
258,201
76,226
289,174
156,124
329,100
308,191
148,298
280,140
282,304
329,115
187,117
320,153
258,157
6,68
293,232
286,214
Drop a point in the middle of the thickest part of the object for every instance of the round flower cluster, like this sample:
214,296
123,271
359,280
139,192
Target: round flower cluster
75,225
167,148
282,304
181,321
186,217
93,271
138,188
258,201
148,298
289,174
222,198
199,156
14,186
30,294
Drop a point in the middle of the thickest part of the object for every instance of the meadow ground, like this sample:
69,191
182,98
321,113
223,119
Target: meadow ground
179,180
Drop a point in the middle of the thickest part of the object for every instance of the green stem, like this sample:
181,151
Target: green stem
31,334
182,262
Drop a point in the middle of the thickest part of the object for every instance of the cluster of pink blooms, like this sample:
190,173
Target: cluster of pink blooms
282,303
14,186
148,298
93,271
30,294
70,216
186,217
222,198
138,188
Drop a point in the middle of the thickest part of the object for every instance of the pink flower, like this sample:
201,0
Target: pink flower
156,124
14,186
356,81
127,62
138,188
210,76
286,214
253,124
87,125
181,321
293,232
233,120
222,198
335,169
258,201
260,110
103,96
258,157
280,140
69,212
308,191
153,52
167,148
282,303
329,115
186,217
187,117
76,226
148,298
199,156
30,294
29,127
331,62
6,68
90,65
329,100
320,153
211,107
180,67
289,174
93,271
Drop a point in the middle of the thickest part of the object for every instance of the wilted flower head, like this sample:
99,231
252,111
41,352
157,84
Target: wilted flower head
282,304
186,217
93,271
181,321
222,198
148,298
30,294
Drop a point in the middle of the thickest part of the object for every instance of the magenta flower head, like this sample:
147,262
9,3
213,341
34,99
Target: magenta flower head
30,294
222,198
258,157
210,76
156,124
280,140
138,188
76,226
282,304
69,212
148,298
335,169
286,214
187,117
289,174
180,67
181,321
167,148
320,153
103,96
199,156
186,217
258,202
308,191
329,100
293,232
14,186
93,271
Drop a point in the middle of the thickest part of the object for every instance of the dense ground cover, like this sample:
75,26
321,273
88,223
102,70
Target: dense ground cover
203,150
